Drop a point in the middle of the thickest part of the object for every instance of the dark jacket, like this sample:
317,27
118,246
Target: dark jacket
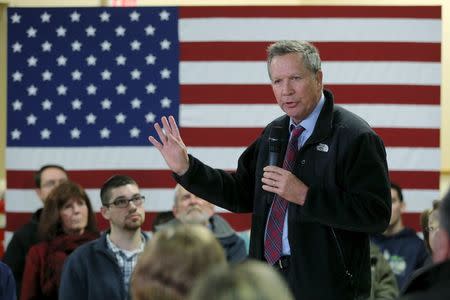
7,283
91,272
344,165
18,247
233,245
431,283
404,251
44,265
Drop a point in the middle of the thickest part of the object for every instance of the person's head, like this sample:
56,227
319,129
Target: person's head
171,262
398,206
122,204
190,209
441,240
433,224
250,280
296,77
47,178
67,210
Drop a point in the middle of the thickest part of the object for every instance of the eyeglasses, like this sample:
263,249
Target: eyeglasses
123,202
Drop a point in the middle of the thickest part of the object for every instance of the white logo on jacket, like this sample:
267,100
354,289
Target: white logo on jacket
322,147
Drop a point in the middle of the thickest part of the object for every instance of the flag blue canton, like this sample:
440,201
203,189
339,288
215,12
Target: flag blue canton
90,76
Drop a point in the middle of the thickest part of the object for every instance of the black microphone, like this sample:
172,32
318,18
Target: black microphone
275,144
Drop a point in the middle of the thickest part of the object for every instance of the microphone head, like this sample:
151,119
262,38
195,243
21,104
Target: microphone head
275,139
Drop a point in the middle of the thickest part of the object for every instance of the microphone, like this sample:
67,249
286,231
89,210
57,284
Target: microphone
275,143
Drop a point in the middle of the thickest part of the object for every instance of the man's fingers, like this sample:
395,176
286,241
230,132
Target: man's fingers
161,134
174,127
155,142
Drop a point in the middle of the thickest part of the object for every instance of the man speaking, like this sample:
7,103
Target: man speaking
313,210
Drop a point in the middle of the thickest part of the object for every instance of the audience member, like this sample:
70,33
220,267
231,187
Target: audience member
190,209
250,280
173,260
400,245
433,282
425,226
67,222
45,179
101,269
7,283
384,284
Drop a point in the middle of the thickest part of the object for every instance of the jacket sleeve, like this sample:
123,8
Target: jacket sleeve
15,258
356,195
31,282
72,285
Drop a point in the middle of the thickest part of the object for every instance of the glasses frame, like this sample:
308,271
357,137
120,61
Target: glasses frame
124,203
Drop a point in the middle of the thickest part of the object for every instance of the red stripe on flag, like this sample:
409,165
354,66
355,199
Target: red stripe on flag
239,222
409,137
419,12
344,94
329,51
412,220
416,179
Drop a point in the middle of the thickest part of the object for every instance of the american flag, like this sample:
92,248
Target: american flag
85,86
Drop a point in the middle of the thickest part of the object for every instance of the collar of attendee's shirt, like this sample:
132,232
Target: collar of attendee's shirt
309,123
127,253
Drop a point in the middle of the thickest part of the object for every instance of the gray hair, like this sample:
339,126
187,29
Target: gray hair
308,51
444,213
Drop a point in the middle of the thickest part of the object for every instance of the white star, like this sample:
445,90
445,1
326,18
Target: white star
61,119
164,15
76,46
106,75
17,105
150,59
134,16
76,104
61,60
31,32
90,31
32,90
75,17
106,46
90,118
165,73
15,18
136,103
120,31
91,89
134,132
165,44
76,75
104,16
75,133
31,119
32,61
15,134
47,75
45,17
91,60
16,47
135,74
121,89
45,134
46,104
150,117
120,118
135,45
61,31
151,88
121,60
150,30
46,47
106,103
17,76
104,133
165,102
62,89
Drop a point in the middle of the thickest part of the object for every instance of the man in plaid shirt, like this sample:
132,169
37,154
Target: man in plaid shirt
102,268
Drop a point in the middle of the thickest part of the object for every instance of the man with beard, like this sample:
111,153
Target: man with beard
102,268
190,209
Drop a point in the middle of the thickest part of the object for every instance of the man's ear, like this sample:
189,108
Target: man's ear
441,249
105,212
39,194
402,206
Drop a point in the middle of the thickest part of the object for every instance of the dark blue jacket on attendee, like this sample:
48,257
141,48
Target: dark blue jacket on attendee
7,283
